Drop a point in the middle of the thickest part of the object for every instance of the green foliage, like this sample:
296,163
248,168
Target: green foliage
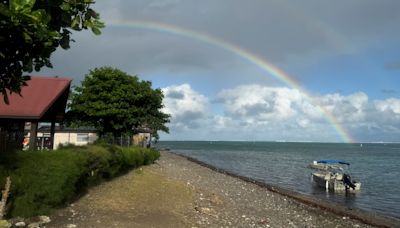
115,102
30,30
104,163
42,181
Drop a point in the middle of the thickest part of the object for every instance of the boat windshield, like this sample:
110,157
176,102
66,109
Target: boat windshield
333,162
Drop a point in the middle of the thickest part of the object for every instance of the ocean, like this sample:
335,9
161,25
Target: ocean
375,165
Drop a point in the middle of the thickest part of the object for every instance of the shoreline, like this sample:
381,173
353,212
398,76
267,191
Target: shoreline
177,191
363,216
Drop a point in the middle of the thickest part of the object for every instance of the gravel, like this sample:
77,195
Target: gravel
225,201
176,192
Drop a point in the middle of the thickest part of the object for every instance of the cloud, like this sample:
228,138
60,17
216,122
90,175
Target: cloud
306,39
261,103
300,29
346,109
186,107
254,112
393,65
389,91
387,115
288,34
391,105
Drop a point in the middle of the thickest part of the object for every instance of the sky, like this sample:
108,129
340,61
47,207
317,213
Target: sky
260,70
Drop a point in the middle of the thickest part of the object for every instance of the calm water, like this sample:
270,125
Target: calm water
376,166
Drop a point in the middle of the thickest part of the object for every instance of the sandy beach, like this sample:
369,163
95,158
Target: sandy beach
177,192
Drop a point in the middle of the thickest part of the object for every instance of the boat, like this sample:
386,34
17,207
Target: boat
328,164
330,175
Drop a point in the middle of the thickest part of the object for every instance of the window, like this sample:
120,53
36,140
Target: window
82,137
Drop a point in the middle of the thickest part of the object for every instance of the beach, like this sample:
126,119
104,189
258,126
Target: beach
177,192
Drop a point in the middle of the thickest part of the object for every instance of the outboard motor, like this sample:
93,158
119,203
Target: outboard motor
347,181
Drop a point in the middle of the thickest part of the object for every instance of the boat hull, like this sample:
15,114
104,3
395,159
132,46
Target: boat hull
333,182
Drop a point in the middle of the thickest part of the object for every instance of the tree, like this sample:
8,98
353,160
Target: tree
115,102
30,30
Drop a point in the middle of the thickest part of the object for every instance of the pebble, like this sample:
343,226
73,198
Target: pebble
20,224
44,219
225,209
34,225
239,196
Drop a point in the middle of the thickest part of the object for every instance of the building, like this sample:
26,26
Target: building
142,139
43,99
86,135
66,136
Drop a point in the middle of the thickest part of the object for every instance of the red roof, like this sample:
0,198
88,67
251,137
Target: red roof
36,98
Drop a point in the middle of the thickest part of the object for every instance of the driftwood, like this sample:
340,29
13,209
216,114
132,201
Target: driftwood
4,197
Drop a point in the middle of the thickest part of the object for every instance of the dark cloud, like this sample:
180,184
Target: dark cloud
389,91
189,119
258,108
290,34
393,66
284,32
175,95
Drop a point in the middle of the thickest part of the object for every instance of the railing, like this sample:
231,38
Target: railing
127,141
120,141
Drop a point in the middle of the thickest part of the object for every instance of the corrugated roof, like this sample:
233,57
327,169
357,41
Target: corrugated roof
36,98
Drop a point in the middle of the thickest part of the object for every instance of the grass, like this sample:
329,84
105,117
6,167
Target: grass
44,180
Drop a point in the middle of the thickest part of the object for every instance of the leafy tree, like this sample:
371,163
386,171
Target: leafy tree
115,102
30,30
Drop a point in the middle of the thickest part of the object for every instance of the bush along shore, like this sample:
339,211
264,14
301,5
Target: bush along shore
45,180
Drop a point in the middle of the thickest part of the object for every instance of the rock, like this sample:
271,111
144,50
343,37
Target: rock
4,224
34,225
205,210
20,224
216,200
44,219
71,226
16,220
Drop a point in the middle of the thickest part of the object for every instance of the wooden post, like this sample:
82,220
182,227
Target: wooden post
33,136
4,197
52,133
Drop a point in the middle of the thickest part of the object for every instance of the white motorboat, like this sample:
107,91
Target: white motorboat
331,176
323,166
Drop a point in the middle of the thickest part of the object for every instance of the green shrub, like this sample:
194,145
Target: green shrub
137,156
45,180
150,155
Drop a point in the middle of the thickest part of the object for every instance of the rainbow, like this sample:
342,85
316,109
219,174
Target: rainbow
239,51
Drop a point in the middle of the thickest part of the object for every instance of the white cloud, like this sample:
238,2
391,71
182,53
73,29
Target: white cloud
185,106
261,103
387,114
346,109
310,41
253,112
389,105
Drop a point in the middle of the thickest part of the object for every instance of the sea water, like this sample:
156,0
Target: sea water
376,166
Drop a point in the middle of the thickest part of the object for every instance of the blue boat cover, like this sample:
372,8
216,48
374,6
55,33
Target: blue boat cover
333,162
